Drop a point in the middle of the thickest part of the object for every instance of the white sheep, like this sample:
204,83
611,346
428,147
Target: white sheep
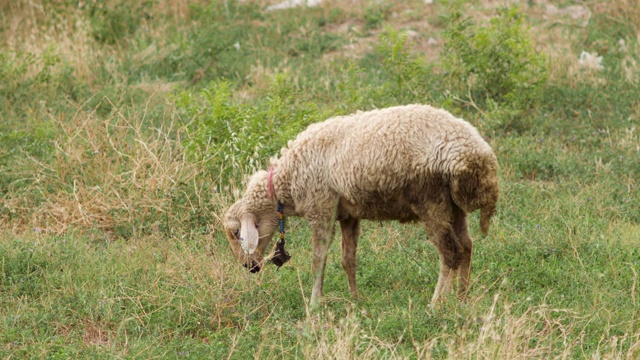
406,163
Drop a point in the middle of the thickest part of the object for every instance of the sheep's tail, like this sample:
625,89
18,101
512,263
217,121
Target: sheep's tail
486,213
478,189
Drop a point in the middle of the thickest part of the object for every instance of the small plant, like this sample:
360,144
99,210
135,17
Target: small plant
316,43
374,15
22,72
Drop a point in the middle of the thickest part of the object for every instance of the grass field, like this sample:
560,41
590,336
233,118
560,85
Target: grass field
127,127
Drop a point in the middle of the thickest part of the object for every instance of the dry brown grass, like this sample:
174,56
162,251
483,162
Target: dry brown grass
97,333
541,332
342,339
105,172
38,26
34,29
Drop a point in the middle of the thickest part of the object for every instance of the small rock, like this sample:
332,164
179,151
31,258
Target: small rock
288,4
590,61
411,33
622,45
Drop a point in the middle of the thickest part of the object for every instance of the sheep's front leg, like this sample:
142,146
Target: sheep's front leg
322,236
350,232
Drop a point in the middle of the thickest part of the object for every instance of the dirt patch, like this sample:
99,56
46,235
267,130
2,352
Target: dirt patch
96,334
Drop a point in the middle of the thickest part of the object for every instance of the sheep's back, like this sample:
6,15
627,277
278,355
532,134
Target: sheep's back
372,156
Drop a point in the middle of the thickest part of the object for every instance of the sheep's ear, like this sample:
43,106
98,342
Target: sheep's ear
248,234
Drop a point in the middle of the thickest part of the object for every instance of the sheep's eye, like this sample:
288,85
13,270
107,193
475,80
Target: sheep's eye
236,233
257,225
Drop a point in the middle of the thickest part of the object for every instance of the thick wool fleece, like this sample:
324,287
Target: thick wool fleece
383,164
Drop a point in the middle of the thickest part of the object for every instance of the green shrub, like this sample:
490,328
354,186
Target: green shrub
232,139
494,66
392,75
409,76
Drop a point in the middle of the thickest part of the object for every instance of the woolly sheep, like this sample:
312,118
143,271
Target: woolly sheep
406,163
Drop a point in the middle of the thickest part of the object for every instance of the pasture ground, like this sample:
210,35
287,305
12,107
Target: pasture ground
127,128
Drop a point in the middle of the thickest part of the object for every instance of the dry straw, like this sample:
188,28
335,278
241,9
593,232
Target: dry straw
108,172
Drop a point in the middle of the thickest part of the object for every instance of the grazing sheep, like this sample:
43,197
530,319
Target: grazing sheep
406,163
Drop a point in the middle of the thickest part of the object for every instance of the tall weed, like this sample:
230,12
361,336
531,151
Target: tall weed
492,69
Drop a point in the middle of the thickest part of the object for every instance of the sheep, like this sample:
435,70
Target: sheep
412,163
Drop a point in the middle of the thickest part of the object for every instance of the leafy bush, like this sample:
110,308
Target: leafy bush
495,69
230,139
391,75
495,66
409,76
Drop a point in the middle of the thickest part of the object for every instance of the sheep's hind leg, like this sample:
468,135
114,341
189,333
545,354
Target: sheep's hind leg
445,240
350,232
460,228
445,282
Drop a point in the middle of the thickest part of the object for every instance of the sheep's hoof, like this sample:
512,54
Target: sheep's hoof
314,305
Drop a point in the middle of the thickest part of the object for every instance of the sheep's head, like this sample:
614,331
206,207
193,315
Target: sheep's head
249,225
249,234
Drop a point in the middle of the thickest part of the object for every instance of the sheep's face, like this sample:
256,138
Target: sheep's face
249,233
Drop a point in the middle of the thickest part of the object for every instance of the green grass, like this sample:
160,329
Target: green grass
128,127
